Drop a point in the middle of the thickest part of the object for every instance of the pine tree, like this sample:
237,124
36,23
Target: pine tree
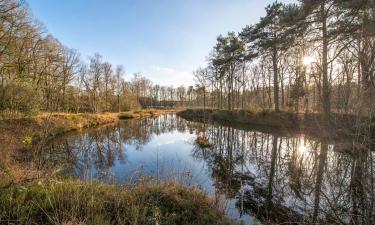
272,36
229,52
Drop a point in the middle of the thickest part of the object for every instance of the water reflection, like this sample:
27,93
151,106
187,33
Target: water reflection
271,177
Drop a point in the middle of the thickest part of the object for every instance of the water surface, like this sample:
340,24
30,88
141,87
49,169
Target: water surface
258,176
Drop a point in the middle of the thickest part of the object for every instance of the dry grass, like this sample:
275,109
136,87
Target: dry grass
137,114
203,142
145,113
75,202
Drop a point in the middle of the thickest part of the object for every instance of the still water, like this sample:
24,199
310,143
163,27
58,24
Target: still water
259,176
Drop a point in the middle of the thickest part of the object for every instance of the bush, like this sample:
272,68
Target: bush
21,96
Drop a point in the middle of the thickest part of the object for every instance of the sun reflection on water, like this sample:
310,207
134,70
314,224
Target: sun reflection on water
302,146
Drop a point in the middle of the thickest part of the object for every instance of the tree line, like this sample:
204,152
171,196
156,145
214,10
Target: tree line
313,56
38,73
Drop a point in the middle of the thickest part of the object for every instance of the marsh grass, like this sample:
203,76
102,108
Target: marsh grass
203,142
78,202
139,114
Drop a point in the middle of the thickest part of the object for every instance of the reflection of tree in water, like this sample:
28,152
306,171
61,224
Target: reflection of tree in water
98,149
95,148
291,178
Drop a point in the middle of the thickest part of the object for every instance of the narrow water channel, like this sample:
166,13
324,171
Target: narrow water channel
259,176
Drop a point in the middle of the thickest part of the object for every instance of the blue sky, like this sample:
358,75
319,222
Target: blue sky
164,39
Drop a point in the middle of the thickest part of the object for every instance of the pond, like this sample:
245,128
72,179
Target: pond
258,176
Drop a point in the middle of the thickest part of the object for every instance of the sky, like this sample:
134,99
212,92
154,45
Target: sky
165,40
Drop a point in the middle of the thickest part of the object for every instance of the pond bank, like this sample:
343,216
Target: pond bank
145,113
77,202
18,135
341,126
29,196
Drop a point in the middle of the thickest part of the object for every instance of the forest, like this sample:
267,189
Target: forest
38,73
315,56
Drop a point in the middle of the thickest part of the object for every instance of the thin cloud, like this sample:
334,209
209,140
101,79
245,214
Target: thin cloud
170,76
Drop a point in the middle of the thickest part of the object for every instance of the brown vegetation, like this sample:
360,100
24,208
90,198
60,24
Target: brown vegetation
140,114
203,142
75,202
340,126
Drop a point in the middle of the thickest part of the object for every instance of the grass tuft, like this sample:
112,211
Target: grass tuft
203,142
139,114
76,202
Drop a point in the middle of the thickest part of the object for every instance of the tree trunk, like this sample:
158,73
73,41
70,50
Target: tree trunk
275,81
326,86
272,176
319,179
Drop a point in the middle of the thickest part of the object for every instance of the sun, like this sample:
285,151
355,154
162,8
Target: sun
307,60
302,149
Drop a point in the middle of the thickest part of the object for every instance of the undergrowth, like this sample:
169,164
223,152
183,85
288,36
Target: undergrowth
79,202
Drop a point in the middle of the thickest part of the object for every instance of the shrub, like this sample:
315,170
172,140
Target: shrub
21,96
